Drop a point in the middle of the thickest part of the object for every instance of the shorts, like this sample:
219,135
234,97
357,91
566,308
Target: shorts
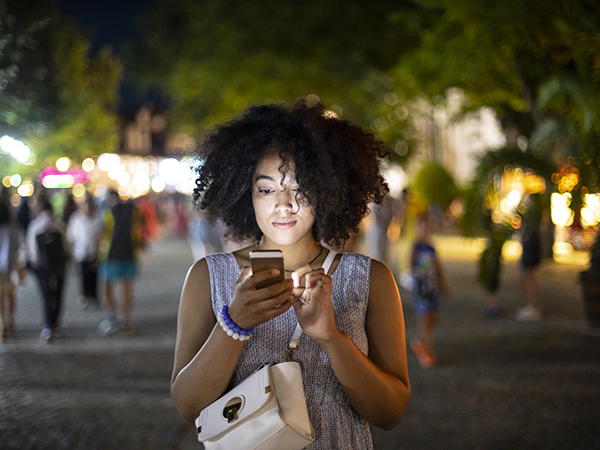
423,306
116,269
531,255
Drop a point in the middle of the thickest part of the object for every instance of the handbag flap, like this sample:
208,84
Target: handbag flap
289,391
234,406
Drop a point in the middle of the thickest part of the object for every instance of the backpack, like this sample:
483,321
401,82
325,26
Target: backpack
51,251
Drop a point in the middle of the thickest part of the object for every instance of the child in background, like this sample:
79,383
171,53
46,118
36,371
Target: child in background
429,283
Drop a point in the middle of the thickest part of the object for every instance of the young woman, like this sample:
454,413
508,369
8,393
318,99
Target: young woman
296,180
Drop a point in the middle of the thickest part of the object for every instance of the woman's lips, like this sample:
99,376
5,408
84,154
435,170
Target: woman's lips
284,224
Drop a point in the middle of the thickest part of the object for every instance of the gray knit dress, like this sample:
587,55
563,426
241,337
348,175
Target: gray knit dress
337,425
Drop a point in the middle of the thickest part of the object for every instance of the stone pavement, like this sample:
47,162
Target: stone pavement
499,384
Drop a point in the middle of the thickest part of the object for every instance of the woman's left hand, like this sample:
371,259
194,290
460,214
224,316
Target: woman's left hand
312,303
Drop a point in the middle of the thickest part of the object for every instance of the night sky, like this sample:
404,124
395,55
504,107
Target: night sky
111,22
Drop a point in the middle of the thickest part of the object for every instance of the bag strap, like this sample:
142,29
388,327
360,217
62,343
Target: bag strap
298,331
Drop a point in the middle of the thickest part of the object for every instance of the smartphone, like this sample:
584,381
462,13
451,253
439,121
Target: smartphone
267,259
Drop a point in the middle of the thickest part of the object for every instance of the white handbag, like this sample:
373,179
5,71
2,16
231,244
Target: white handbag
266,411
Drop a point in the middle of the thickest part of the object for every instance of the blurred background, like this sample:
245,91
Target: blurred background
491,113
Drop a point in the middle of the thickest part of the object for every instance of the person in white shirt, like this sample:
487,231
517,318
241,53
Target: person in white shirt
83,232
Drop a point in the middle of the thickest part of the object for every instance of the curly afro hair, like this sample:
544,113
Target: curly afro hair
337,168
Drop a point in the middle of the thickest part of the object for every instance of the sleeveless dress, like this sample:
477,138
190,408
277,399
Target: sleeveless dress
336,423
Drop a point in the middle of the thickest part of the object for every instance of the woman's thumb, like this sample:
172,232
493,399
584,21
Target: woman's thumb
246,273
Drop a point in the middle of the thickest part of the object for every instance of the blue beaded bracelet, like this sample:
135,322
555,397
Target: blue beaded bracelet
231,328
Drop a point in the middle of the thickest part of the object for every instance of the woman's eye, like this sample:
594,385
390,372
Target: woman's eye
265,190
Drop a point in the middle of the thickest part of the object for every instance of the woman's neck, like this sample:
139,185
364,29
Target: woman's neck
296,255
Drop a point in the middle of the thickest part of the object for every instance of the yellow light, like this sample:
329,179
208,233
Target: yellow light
79,190
6,181
562,248
514,197
26,189
506,206
512,250
63,164
561,214
88,164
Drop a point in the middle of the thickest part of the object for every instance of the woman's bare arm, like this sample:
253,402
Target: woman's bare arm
205,356
378,385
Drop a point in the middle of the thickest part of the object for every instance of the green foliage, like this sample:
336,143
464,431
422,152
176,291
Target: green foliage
499,53
491,164
54,96
434,185
215,57
86,122
27,97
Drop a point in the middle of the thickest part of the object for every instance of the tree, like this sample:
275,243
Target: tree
54,95
27,97
500,53
86,121
215,57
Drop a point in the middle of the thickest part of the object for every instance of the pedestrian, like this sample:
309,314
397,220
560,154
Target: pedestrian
121,243
530,260
69,207
490,268
429,284
9,251
297,180
84,231
48,254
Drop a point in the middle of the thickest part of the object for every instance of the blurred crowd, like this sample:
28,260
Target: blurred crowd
102,238
105,238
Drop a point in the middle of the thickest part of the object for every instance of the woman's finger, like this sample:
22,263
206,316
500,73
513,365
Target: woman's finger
302,272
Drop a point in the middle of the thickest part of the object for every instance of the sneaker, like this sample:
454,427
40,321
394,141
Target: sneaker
108,327
46,334
426,359
528,314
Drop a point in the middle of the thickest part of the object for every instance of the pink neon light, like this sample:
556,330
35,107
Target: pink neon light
79,176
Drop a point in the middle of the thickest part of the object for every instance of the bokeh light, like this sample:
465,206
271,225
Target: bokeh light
158,184
88,164
63,164
15,180
26,189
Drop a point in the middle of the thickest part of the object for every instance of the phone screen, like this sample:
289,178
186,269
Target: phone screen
267,259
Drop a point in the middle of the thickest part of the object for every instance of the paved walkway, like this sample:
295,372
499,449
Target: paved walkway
499,385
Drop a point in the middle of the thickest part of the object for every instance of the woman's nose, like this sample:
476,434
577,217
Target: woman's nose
285,201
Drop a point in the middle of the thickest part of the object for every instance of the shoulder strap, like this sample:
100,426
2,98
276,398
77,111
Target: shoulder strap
298,331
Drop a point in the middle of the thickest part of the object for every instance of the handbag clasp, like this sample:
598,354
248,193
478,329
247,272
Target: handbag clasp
232,409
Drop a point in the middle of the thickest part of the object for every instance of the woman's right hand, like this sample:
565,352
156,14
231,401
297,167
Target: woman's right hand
251,306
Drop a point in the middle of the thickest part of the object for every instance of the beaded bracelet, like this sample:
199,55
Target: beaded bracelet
231,328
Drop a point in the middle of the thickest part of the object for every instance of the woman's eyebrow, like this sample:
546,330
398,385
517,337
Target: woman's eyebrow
263,177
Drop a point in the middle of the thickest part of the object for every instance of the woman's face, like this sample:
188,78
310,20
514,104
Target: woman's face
280,217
